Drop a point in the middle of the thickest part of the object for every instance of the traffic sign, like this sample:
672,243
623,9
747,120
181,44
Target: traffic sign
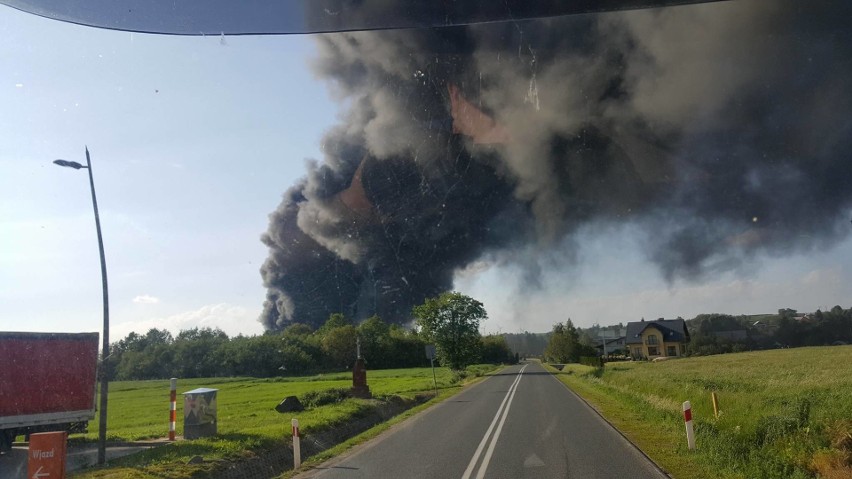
47,455
430,351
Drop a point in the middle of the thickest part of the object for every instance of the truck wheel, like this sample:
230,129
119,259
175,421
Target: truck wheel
6,440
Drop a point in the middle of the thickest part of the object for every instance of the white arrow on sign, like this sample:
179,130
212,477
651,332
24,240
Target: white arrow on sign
38,474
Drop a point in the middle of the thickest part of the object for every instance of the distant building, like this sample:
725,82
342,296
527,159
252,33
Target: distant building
613,344
654,339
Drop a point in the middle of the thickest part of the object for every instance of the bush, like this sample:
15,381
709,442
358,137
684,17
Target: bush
593,361
459,376
321,398
495,350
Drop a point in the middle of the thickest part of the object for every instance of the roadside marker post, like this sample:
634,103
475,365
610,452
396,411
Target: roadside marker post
690,432
172,408
715,400
297,450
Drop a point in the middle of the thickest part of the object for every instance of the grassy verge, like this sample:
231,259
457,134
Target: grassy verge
784,413
248,424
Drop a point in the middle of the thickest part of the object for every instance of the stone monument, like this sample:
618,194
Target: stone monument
359,375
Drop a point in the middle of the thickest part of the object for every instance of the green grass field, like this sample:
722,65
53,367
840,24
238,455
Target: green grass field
784,413
247,420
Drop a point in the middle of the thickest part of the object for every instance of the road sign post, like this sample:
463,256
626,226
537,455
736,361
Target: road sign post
430,353
47,455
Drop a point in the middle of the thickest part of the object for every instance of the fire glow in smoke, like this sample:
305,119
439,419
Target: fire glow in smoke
501,140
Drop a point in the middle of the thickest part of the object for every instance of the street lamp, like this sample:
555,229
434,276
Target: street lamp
105,353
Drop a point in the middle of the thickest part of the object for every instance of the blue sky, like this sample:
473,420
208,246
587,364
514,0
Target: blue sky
193,140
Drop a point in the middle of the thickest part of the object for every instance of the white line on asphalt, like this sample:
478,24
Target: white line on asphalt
500,410
484,466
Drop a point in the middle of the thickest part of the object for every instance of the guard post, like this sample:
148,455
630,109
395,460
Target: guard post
297,447
687,418
172,408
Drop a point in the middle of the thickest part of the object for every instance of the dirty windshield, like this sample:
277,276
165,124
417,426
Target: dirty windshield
520,243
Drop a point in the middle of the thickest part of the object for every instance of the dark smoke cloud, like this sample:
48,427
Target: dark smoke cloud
722,131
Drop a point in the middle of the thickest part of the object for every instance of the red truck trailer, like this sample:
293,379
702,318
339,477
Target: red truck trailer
47,383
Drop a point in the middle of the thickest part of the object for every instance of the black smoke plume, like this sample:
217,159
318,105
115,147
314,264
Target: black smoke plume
722,130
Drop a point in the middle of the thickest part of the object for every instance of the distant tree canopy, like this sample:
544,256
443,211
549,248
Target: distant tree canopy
710,333
527,344
451,321
297,350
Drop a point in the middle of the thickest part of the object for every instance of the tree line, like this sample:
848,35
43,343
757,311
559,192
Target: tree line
451,322
787,329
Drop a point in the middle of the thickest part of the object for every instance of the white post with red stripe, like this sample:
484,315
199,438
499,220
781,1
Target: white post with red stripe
172,408
297,452
690,432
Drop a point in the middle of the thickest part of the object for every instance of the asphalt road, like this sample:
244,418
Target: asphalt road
521,423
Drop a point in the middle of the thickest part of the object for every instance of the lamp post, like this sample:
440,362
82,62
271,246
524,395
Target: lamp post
105,353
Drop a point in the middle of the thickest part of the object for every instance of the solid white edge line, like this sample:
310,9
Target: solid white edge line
484,466
479,449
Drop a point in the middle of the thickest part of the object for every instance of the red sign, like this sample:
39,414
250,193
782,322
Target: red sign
47,455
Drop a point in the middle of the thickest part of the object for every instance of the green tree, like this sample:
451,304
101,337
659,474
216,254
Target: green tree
558,349
564,345
406,348
198,353
336,320
254,356
338,347
451,321
376,343
142,357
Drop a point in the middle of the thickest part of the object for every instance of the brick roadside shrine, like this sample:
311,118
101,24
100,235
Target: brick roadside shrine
360,389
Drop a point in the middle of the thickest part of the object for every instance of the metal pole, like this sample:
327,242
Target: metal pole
102,425
434,379
715,400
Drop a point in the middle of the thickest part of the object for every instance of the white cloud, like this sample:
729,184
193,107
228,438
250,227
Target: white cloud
230,318
146,299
